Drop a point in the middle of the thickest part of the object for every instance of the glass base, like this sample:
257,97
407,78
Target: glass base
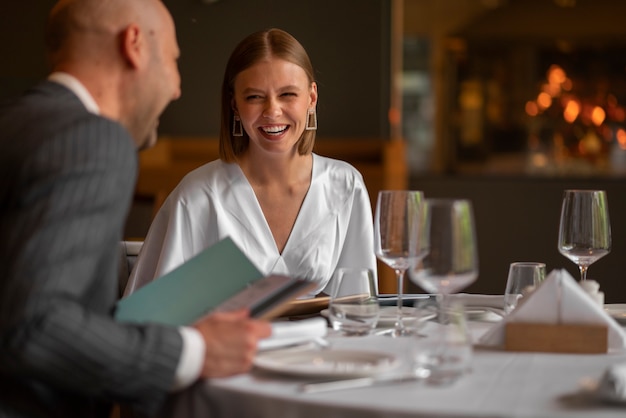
398,333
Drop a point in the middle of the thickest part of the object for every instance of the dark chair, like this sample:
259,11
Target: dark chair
129,250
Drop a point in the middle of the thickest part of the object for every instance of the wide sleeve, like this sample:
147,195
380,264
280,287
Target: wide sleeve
358,246
161,250
68,218
179,231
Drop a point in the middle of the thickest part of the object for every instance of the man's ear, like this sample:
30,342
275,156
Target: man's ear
132,45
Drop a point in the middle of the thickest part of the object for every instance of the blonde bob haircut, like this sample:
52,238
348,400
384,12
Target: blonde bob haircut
256,47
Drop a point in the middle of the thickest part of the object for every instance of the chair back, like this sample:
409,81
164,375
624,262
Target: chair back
129,250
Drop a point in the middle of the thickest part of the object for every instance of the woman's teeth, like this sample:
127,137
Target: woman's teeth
275,130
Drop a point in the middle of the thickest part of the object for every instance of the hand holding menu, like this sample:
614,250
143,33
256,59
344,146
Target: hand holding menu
219,278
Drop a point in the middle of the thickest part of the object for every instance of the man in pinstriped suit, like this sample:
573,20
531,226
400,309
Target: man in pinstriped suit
67,170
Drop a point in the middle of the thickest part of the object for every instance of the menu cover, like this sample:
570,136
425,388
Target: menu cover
219,278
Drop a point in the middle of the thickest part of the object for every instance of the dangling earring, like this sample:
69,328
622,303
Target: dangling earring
237,126
311,120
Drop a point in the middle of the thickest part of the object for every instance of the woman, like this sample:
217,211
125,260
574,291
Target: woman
291,212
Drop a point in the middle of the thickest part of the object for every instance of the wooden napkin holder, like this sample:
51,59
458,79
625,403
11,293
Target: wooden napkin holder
556,338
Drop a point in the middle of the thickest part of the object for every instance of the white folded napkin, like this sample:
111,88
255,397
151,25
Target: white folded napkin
612,384
559,299
286,333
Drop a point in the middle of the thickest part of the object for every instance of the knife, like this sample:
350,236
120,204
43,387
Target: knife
359,382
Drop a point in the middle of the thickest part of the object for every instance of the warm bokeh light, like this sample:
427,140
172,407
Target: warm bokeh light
620,135
532,109
394,116
544,100
590,144
598,115
539,160
571,111
556,75
567,84
554,90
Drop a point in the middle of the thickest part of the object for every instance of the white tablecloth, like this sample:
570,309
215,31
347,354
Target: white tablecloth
501,384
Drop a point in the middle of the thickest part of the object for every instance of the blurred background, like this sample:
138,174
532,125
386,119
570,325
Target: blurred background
504,102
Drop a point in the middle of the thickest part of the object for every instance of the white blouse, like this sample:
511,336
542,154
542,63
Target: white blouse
334,227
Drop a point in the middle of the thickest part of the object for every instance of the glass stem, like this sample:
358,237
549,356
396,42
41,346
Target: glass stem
583,273
400,279
441,301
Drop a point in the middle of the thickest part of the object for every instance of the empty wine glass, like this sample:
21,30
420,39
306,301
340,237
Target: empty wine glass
451,257
585,229
523,277
396,235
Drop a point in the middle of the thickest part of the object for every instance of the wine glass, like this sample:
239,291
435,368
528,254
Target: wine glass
396,234
585,229
451,254
523,277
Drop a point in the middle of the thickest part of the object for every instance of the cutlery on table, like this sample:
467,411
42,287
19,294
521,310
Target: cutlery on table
354,383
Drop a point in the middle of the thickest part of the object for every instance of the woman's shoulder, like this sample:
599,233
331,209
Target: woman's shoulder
336,169
214,172
214,175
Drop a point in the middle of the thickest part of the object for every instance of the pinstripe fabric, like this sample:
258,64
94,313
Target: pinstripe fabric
66,182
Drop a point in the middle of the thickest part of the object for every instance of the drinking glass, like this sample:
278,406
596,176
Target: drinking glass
451,254
445,354
585,229
522,275
353,307
396,236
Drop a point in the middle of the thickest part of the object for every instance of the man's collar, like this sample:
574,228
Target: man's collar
77,88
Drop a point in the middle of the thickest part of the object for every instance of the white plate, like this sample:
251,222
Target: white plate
387,316
486,314
323,363
617,311
476,313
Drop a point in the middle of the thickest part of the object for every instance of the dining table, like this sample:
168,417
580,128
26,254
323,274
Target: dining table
498,383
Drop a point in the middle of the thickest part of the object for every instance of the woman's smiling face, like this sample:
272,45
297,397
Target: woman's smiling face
272,99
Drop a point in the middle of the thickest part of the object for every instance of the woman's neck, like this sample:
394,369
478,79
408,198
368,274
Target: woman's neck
276,169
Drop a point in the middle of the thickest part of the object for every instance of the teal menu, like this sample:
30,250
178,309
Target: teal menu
193,289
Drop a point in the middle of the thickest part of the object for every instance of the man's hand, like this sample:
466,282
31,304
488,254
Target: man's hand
231,342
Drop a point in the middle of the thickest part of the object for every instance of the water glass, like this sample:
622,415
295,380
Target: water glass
444,354
353,307
523,276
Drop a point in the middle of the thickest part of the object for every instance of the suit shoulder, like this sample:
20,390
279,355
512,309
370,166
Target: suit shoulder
49,112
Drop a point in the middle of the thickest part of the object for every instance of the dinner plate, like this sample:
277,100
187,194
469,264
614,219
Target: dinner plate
476,313
326,363
617,311
388,317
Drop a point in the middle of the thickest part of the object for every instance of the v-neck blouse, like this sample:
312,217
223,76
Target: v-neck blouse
333,229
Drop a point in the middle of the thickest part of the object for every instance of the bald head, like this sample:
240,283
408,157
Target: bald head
125,54
82,28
